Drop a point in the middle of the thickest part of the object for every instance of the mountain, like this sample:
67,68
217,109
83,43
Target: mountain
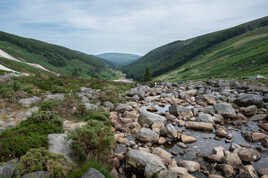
234,52
55,58
119,58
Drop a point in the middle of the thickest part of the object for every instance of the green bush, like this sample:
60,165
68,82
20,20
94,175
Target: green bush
94,115
79,171
94,140
40,159
31,133
49,105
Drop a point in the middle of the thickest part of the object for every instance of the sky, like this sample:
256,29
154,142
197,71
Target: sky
129,26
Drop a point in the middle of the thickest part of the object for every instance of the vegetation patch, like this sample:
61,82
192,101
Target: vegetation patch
31,133
39,159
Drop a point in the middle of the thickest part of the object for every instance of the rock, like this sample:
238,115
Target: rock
93,173
167,174
150,163
247,172
265,142
152,109
38,174
249,99
139,91
227,170
263,171
214,176
171,131
221,132
232,159
91,107
258,117
256,137
179,170
163,154
209,99
217,155
249,111
147,135
27,102
7,169
249,155
123,107
59,145
264,126
183,112
205,118
191,166
161,141
187,139
225,109
150,118
109,105
199,126
58,96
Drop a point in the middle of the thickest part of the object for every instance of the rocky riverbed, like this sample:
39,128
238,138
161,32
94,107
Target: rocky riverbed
203,129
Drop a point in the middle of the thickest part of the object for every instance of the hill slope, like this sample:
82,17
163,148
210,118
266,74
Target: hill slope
55,58
216,48
119,58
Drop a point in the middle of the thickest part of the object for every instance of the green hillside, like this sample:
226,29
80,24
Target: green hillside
55,58
119,58
241,50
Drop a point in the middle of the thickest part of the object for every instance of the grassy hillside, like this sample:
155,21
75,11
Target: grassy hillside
217,51
119,58
56,58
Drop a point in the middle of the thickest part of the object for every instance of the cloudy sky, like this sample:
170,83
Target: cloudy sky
134,26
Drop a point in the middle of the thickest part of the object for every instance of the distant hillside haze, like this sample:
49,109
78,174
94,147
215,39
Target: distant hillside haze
234,52
119,58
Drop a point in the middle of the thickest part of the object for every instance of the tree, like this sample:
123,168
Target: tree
147,75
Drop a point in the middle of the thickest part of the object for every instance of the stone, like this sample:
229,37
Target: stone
225,109
162,140
202,117
57,96
179,170
163,154
232,159
150,163
265,142
215,176
247,172
209,99
38,174
123,107
264,126
91,107
27,102
93,173
187,139
147,135
221,132
59,145
139,91
249,99
167,174
7,169
109,105
191,166
227,170
249,111
171,131
256,137
199,126
183,112
150,118
263,171
249,155
217,154
152,109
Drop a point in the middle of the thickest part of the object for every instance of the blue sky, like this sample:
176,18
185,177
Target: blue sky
134,26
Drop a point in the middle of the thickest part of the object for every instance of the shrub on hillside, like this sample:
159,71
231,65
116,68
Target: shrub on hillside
40,159
94,115
49,105
31,133
94,140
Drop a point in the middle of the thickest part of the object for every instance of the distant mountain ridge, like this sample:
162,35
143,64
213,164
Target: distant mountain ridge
119,58
55,58
240,51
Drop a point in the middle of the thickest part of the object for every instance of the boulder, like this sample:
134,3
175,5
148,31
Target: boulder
263,171
221,132
232,159
209,99
249,99
151,164
249,111
199,126
91,107
163,154
202,117
187,139
7,169
150,118
57,96
183,112
109,105
247,172
59,145
171,131
249,155
38,174
147,135
27,102
225,109
167,174
217,154
191,166
93,173
227,170
123,107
